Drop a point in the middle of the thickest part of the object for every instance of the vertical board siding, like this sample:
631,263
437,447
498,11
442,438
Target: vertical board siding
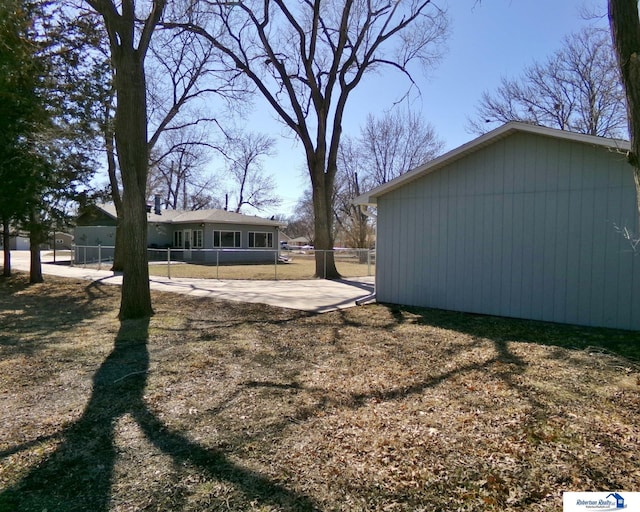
527,227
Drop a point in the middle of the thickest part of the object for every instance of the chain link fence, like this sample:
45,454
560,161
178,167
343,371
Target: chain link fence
289,263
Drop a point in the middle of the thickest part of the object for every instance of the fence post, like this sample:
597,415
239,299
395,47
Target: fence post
169,262
99,256
325,263
84,259
275,264
218,264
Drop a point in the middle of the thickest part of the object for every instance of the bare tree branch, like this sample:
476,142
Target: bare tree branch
578,89
306,59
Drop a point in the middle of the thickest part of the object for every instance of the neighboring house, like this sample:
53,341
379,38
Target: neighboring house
61,241
19,242
201,235
284,238
299,241
523,222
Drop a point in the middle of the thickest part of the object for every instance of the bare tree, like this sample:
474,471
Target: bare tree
177,171
349,218
302,222
183,72
577,89
625,30
250,186
351,180
386,148
130,33
307,58
202,194
396,143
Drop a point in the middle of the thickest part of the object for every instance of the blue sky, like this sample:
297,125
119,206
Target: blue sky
489,39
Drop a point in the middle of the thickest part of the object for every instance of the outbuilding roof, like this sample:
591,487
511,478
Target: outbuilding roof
488,138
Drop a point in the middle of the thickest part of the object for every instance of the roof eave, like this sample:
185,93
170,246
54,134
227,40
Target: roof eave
370,198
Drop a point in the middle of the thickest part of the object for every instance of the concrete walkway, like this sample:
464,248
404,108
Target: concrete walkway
314,295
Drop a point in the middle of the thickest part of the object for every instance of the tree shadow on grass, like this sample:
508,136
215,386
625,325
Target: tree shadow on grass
501,329
29,313
79,474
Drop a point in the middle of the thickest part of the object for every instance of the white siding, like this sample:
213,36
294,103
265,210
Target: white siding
525,227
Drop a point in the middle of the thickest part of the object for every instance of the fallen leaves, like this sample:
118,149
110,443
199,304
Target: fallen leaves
373,408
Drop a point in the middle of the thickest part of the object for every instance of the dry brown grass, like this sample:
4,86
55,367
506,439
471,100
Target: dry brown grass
214,405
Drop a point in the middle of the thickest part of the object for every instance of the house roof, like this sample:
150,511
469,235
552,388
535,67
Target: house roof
487,139
198,216
299,240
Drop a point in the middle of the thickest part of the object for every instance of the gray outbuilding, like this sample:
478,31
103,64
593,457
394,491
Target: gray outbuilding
524,221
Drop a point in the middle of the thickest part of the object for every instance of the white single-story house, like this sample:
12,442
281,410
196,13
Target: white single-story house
200,235
524,221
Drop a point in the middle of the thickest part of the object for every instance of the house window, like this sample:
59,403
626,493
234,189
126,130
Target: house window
177,238
197,239
257,239
226,238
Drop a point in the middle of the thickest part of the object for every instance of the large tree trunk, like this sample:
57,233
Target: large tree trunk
118,249
625,29
118,252
125,31
6,249
131,143
37,236
35,263
322,187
